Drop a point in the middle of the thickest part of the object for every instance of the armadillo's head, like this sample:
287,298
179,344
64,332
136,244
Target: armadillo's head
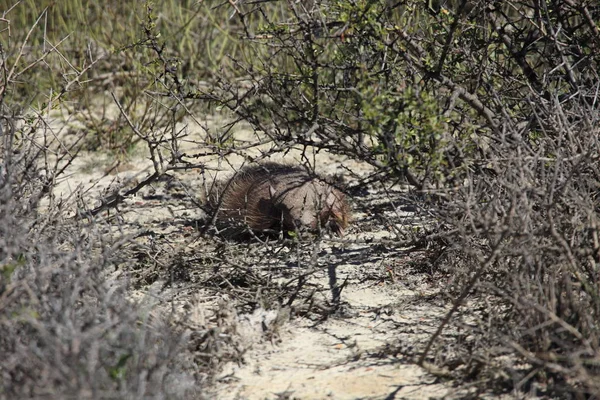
302,213
315,205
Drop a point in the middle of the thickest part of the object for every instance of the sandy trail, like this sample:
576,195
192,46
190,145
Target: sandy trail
386,302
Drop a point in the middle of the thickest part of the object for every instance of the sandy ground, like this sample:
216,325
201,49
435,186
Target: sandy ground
361,347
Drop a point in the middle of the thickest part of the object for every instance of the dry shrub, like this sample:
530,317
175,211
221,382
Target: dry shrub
530,229
67,329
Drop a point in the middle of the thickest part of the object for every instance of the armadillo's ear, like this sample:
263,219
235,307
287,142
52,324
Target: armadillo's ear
272,191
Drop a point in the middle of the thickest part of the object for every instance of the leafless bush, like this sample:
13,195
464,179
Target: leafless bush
66,328
531,232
